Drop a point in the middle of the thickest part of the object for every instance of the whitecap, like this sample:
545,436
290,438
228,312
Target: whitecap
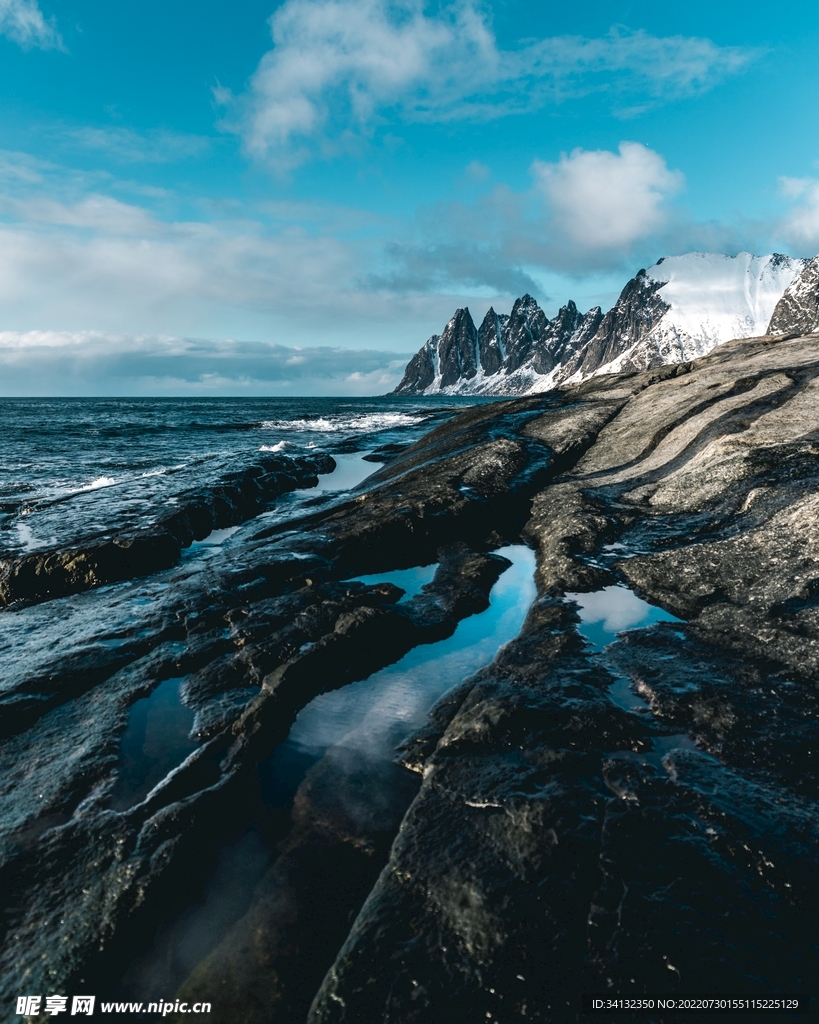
101,481
274,447
364,422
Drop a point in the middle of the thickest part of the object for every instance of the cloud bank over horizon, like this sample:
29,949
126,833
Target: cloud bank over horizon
94,363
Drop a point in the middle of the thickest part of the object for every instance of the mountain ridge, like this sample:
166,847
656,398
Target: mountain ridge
678,309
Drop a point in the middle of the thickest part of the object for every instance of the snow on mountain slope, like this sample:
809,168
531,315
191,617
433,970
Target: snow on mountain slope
712,298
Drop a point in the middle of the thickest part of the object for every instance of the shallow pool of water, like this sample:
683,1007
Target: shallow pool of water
363,722
376,713
350,471
612,610
412,581
156,740
603,615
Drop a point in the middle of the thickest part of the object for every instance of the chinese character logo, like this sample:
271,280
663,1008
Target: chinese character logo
56,1004
29,1006
82,1004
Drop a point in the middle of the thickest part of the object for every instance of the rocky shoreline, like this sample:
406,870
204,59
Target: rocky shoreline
45,575
542,840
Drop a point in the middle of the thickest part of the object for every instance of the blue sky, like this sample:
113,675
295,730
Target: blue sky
211,198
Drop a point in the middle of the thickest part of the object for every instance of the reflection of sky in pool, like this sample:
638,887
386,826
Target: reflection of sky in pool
375,714
605,613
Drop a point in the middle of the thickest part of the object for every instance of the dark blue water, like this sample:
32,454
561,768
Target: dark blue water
73,469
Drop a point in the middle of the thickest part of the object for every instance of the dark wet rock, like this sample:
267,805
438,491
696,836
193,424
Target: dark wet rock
270,964
46,575
386,452
560,844
470,481
489,877
460,586
281,621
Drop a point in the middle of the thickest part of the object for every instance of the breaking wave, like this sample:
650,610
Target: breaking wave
366,422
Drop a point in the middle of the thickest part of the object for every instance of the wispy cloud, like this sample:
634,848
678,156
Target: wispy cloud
128,146
72,255
23,22
341,68
99,363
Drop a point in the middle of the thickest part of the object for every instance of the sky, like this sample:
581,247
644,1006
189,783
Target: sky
266,198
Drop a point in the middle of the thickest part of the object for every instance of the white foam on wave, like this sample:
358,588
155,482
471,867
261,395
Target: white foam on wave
274,447
101,481
365,422
26,537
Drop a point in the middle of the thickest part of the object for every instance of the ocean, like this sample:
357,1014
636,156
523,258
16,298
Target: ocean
76,469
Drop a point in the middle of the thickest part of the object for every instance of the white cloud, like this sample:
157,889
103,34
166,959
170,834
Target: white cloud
801,226
22,21
610,200
340,68
587,214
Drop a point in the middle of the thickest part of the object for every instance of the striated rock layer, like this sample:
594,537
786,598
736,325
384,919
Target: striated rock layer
565,838
45,575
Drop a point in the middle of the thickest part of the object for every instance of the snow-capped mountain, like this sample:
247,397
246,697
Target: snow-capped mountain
797,312
679,309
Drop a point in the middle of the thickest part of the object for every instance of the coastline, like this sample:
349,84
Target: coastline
545,854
